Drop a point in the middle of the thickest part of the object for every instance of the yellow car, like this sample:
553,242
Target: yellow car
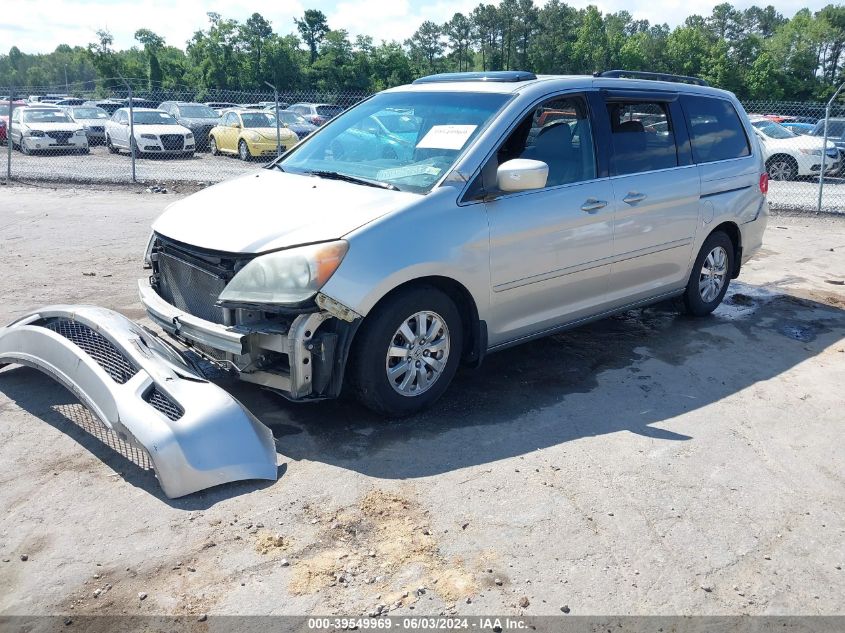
249,134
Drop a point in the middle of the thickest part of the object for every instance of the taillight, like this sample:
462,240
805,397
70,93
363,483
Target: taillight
764,183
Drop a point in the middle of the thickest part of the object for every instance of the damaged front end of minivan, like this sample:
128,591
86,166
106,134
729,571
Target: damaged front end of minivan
286,337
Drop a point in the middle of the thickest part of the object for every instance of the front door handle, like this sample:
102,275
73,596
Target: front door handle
634,197
592,205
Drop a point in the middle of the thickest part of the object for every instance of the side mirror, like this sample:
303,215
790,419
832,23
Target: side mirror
522,174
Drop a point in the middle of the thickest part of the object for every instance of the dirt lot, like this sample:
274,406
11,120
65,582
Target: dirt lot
647,464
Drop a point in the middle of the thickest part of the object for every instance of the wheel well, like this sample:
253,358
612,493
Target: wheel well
789,158
475,333
732,231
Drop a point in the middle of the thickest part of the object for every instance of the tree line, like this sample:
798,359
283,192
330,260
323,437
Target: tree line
755,52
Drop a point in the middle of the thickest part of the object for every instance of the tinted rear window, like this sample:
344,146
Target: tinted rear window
716,131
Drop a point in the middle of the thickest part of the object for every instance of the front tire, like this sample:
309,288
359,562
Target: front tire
711,275
407,353
243,151
110,145
212,147
25,148
782,168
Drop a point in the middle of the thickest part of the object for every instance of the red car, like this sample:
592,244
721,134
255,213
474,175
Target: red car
4,116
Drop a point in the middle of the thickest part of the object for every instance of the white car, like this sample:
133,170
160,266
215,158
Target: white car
156,132
789,155
40,128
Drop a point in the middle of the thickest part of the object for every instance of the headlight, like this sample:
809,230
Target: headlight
252,136
35,133
286,277
149,136
810,152
79,133
189,135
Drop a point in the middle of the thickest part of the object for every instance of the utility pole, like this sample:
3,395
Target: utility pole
9,138
278,125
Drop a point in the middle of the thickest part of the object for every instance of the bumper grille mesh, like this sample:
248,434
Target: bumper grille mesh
190,288
172,141
97,347
165,405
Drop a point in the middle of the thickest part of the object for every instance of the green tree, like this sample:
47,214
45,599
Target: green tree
313,27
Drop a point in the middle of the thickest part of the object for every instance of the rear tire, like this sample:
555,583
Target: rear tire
398,375
711,275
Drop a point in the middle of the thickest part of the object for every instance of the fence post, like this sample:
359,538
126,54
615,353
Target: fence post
9,139
278,125
131,127
824,144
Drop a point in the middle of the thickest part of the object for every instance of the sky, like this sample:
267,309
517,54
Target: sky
38,26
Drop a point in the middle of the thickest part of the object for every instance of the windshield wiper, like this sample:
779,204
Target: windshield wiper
334,175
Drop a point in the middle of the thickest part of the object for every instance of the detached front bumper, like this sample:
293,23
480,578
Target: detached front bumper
302,360
195,434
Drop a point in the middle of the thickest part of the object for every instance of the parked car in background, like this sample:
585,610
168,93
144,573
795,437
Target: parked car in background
251,106
36,129
4,116
294,122
789,155
109,105
220,106
316,113
802,129
249,134
835,134
139,102
156,132
72,101
197,117
269,105
92,119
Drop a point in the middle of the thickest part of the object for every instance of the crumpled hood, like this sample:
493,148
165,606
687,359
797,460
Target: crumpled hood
269,210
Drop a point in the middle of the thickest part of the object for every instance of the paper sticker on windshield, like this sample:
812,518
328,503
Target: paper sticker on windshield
405,172
446,137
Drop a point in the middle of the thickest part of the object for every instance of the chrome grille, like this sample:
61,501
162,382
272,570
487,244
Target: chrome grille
165,405
97,347
190,288
172,141
60,137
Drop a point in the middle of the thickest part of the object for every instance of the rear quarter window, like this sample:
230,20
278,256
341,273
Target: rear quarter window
716,131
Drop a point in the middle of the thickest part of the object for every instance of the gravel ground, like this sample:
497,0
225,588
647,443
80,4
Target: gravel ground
100,166
646,464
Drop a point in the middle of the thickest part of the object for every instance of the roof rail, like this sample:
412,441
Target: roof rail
640,74
506,76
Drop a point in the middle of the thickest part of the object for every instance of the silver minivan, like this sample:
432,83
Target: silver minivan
505,208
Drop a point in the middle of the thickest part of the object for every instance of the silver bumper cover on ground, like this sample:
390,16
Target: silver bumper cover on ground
196,434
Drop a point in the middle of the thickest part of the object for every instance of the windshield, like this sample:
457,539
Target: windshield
90,113
258,119
46,116
291,118
447,122
773,130
154,118
197,112
834,128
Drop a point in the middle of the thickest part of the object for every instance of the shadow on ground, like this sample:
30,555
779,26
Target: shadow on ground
522,399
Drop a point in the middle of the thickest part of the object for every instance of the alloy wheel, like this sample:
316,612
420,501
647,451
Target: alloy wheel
418,353
714,271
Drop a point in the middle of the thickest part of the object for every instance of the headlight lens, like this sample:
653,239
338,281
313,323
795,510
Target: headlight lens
810,152
79,133
253,136
286,277
36,133
189,135
149,136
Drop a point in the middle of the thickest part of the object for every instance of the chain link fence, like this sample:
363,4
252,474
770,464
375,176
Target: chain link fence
791,135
